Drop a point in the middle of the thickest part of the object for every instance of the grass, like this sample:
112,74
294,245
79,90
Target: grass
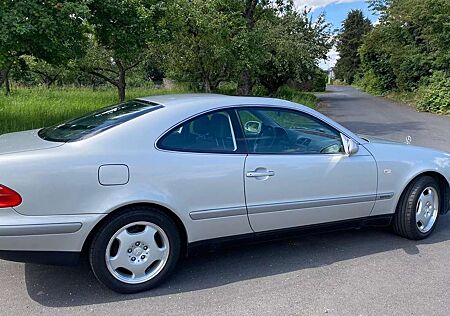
31,108
409,98
296,96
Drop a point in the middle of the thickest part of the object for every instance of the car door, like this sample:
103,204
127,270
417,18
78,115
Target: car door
205,180
297,173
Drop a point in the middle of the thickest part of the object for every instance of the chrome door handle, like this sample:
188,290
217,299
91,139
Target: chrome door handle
257,173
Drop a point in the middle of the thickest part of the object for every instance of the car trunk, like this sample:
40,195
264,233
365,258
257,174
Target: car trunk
24,141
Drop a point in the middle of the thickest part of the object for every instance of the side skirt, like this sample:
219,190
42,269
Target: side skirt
286,233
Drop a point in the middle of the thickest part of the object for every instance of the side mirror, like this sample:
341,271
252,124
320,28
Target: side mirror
253,127
350,146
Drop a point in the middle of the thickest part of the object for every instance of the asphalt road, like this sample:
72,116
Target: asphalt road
379,117
360,272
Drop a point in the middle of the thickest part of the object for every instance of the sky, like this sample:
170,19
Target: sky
335,12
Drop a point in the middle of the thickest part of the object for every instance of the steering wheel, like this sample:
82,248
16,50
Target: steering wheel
266,139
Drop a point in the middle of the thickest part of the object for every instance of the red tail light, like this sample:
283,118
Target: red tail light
8,197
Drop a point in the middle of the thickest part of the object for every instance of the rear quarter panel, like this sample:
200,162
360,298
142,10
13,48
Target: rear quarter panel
64,180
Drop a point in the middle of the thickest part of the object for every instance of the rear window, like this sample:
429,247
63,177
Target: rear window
97,122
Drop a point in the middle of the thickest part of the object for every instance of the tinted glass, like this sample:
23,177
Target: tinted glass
207,133
96,122
281,131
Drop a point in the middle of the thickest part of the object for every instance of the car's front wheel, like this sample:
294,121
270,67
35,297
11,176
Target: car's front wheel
418,209
135,250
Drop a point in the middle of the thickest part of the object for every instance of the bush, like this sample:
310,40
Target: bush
339,82
435,97
370,83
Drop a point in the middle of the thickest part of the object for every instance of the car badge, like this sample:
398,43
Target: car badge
408,140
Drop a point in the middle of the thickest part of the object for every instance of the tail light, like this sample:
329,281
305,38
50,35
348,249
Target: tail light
8,197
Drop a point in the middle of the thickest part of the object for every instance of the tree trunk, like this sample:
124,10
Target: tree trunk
4,78
7,85
51,80
245,84
121,86
207,85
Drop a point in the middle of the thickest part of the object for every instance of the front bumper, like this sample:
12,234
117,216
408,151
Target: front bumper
55,233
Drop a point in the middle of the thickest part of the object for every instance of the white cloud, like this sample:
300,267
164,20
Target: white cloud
316,4
332,55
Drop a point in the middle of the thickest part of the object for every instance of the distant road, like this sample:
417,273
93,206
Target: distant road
377,116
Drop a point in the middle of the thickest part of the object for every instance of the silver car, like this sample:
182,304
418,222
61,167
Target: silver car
135,184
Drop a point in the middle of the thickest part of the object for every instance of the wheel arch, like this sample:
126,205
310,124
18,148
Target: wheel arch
123,209
444,187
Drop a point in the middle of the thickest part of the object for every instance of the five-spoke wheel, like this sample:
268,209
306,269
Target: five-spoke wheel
135,250
427,209
418,209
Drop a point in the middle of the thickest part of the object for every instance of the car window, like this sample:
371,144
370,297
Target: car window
284,131
97,122
212,132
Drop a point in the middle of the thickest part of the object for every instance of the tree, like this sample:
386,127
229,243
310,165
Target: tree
203,36
294,45
51,30
122,31
350,39
213,42
245,81
250,47
47,73
411,43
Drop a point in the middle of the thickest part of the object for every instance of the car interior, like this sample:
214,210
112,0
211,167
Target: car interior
288,132
266,131
206,133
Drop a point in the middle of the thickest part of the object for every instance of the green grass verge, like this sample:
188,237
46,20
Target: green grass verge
409,98
296,96
30,108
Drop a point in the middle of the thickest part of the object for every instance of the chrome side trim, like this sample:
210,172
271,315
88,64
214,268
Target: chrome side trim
385,196
265,208
39,229
222,212
255,209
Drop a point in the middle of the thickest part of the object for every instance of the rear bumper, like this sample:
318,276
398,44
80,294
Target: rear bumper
65,258
44,234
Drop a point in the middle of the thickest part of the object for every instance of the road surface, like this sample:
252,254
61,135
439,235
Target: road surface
377,116
360,272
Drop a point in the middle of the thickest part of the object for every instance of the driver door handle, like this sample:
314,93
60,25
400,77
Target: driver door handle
260,173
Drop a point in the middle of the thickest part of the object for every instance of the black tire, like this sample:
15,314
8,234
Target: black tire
404,223
115,223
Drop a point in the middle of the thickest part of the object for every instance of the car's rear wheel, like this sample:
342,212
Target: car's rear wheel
418,210
135,250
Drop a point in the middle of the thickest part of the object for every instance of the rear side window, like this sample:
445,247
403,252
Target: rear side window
97,122
211,132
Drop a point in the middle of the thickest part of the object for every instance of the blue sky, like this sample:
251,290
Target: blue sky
335,12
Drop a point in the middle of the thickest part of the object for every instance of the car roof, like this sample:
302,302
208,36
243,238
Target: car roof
206,101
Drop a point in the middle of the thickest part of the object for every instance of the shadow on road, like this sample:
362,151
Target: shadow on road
76,286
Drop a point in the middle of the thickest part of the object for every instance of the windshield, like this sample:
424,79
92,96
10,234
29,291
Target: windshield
97,122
